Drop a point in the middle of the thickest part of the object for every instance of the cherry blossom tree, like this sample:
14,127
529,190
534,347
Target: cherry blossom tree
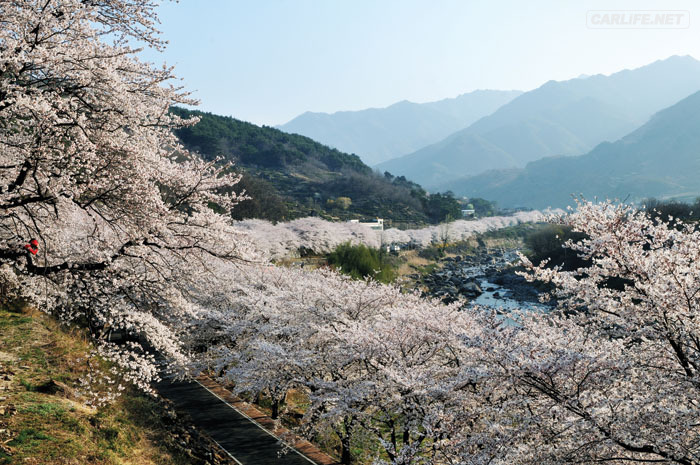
613,375
373,361
89,168
610,376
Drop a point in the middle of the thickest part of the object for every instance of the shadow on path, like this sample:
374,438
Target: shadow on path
243,439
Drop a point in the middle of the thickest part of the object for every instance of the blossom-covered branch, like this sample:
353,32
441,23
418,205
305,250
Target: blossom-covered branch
90,170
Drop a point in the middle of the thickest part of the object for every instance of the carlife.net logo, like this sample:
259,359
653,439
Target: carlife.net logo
638,19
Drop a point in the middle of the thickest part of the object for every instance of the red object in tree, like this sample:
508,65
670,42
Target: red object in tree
32,247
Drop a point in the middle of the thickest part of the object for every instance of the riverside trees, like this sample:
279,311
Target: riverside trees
611,376
282,239
373,361
616,379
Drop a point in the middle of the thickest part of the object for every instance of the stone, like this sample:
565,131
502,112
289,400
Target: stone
471,289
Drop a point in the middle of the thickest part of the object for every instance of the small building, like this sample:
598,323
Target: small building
377,225
468,213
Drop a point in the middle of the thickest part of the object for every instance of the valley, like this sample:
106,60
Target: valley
335,234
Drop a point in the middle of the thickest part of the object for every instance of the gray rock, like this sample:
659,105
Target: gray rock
471,289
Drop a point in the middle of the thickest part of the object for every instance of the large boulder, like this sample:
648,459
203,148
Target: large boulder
470,289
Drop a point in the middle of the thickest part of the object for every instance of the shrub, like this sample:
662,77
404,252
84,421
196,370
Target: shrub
360,261
547,243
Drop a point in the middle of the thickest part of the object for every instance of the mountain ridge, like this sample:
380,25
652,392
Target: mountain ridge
558,118
658,159
290,176
377,134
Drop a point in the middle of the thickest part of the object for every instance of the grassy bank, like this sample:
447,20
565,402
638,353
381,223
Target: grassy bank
43,420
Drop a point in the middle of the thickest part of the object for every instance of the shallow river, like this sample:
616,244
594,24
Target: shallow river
490,299
498,296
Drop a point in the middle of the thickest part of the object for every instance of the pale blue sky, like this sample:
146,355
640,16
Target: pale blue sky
267,61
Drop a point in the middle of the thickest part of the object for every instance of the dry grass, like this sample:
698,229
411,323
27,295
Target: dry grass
43,428
310,262
413,263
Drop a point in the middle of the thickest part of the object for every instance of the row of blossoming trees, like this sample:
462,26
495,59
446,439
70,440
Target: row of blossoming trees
129,238
611,376
282,239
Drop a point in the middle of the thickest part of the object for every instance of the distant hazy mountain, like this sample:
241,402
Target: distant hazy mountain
379,134
660,159
558,118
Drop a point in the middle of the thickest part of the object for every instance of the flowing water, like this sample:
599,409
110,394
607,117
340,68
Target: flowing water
497,298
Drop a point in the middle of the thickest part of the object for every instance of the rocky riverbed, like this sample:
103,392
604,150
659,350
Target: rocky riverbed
486,278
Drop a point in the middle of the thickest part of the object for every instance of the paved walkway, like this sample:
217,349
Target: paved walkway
230,422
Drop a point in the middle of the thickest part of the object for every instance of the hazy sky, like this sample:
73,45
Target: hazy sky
267,61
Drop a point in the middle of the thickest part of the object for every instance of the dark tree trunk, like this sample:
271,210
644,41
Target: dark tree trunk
345,453
275,408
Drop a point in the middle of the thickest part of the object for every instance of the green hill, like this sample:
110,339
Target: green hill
290,176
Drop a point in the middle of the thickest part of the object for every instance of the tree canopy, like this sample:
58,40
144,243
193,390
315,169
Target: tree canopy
90,170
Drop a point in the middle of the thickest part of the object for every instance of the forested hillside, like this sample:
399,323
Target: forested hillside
290,176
